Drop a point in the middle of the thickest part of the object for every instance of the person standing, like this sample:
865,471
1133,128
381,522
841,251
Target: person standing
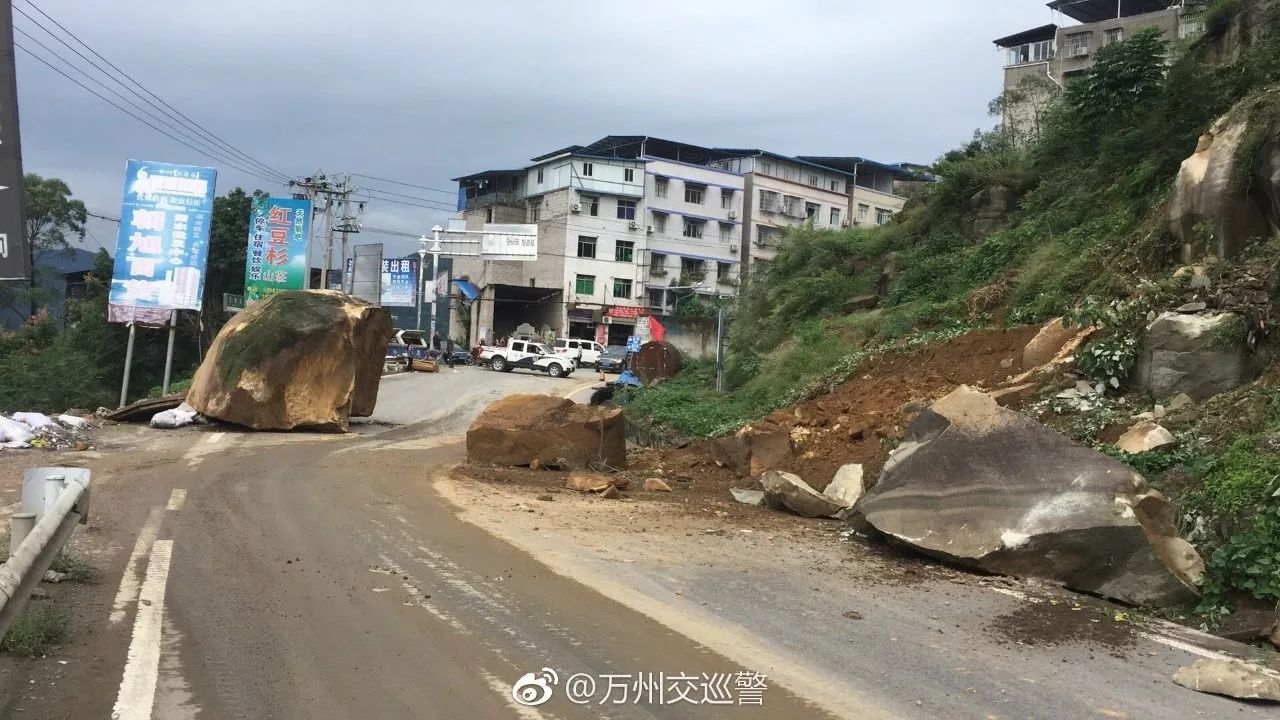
448,353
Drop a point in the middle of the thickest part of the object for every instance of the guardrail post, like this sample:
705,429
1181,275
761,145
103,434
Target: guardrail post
20,525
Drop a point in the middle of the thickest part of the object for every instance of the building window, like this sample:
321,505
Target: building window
692,269
790,173
766,168
587,169
590,205
764,236
770,201
862,212
835,186
724,271
660,186
1191,25
883,216
539,175
811,211
655,298
813,180
692,228
629,174
835,216
1112,36
1035,52
626,209
726,232
624,251
726,199
585,285
1076,45
535,210
659,222
693,193
586,246
792,206
657,264
621,288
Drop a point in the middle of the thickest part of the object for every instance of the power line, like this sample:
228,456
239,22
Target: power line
102,217
107,100
410,197
206,149
253,162
451,193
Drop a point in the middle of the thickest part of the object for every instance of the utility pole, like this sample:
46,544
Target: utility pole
348,223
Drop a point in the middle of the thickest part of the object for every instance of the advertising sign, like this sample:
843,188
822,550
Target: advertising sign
164,236
279,230
509,242
13,237
399,282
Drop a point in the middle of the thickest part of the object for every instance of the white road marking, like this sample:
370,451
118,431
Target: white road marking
128,591
141,671
195,461
176,499
215,437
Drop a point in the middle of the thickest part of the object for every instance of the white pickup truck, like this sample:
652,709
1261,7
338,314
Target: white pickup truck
527,355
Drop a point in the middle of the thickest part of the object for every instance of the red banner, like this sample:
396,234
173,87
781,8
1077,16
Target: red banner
623,311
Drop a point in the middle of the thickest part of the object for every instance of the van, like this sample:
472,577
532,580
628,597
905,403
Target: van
586,351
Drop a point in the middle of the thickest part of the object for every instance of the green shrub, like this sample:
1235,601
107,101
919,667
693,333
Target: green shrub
36,631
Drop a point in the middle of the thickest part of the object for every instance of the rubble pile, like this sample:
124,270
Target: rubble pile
35,430
547,431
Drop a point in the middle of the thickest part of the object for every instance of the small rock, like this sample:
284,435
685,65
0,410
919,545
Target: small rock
1232,678
1014,395
546,497
748,497
535,465
587,482
847,486
611,493
1006,363
1269,443
1086,388
1158,412
1248,624
853,615
39,594
1180,401
1192,307
713,531
53,576
1201,282
1143,437
656,485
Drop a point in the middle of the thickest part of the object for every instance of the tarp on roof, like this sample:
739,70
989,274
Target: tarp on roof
468,289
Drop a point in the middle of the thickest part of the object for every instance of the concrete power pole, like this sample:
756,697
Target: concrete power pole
348,223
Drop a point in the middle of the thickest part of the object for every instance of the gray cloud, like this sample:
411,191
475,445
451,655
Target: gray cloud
425,91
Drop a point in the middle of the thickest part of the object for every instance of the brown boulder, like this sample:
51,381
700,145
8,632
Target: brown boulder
552,431
770,447
656,485
1042,348
306,358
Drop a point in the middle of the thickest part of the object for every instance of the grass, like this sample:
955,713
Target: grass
76,568
36,632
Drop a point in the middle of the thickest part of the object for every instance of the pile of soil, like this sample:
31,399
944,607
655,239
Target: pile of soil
521,412
862,420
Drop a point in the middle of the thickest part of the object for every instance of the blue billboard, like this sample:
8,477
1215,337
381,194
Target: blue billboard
164,236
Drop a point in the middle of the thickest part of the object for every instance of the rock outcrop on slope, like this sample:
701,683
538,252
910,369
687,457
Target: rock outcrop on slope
986,487
1200,355
1209,201
299,359
548,431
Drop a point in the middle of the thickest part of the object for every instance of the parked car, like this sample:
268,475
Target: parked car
528,356
612,359
587,352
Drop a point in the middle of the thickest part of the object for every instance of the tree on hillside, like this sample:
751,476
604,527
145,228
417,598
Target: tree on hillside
53,219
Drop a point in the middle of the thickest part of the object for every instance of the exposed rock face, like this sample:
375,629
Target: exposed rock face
1233,678
991,207
1207,191
1199,355
300,359
782,490
549,431
986,487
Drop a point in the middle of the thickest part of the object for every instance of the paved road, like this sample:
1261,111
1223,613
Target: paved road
297,576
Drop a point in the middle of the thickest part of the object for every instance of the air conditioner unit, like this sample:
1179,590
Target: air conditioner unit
633,225
733,214
648,228
576,208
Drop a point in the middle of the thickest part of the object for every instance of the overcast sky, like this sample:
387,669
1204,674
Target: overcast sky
424,91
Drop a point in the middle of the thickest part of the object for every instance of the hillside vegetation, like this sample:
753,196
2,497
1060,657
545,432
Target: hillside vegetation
1088,239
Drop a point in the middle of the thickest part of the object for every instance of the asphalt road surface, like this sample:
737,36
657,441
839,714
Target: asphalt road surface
255,575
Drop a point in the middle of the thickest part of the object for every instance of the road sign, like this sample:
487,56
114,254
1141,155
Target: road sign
164,235
509,242
279,230
13,237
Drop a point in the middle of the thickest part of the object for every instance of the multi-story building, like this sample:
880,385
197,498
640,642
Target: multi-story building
1053,53
632,225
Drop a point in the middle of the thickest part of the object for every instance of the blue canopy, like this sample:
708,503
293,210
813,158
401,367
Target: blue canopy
468,290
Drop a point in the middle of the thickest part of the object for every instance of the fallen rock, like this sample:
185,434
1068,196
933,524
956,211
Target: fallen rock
73,422
733,452
1248,624
306,358
545,497
985,487
53,576
587,482
1179,402
611,493
1053,336
1233,678
1192,308
846,488
1014,395
748,497
656,485
519,430
1198,355
1143,437
782,490
771,446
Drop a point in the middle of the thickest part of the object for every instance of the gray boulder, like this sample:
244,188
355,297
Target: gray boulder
1199,355
784,491
985,487
991,207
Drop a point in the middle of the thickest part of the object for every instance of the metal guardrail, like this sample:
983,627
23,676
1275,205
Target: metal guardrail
54,501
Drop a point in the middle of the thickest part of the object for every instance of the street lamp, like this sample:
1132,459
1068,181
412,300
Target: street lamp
422,287
435,270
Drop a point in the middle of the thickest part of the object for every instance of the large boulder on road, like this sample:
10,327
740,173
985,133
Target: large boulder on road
549,431
1199,355
299,359
986,487
782,490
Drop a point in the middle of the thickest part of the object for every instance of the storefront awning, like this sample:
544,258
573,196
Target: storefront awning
468,290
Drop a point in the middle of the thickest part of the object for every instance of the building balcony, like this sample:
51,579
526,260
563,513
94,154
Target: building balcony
483,201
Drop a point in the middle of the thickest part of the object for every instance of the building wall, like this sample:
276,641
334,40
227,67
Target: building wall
1165,20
